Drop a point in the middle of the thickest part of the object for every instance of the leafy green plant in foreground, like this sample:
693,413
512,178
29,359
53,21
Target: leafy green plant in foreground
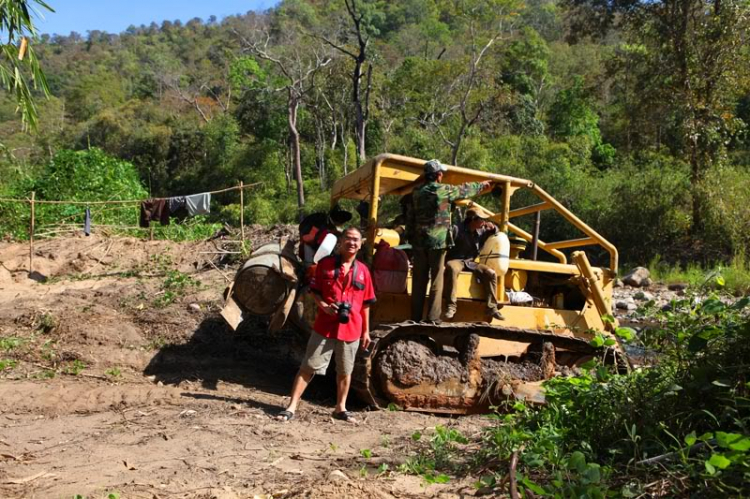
441,453
10,343
682,425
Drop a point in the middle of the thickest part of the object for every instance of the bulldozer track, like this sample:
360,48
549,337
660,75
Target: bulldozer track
365,386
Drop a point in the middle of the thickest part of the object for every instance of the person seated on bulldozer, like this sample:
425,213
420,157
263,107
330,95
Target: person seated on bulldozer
469,237
314,228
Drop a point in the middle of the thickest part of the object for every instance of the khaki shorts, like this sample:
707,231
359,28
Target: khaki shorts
320,350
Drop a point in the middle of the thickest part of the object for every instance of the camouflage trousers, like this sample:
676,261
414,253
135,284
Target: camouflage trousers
428,267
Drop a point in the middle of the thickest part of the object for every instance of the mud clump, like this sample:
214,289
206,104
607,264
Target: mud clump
410,363
496,370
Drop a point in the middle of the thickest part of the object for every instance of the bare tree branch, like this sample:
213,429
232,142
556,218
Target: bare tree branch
336,46
172,84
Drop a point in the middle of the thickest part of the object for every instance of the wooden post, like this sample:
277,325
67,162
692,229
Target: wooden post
242,212
31,235
151,233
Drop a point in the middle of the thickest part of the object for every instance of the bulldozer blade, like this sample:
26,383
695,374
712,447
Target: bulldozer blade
232,313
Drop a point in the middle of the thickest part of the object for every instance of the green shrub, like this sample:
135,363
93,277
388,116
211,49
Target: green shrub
733,277
87,175
75,176
648,207
727,195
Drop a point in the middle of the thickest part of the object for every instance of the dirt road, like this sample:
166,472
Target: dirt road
118,377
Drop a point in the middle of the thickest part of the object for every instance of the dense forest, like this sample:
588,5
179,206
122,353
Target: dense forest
633,113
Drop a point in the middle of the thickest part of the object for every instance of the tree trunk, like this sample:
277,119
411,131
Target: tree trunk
359,114
293,106
288,166
698,163
345,146
457,143
362,156
320,150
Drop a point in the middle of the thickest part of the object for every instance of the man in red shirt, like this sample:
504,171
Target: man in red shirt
343,290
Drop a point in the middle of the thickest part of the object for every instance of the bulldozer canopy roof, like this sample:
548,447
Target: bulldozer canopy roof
398,175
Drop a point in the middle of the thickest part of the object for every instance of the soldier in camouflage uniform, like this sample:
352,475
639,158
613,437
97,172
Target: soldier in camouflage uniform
430,234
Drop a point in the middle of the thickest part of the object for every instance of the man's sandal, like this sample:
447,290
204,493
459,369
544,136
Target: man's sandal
345,416
285,416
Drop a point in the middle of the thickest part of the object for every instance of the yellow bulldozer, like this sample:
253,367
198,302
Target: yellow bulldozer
472,362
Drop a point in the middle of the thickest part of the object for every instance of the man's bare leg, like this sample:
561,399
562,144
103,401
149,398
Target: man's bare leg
342,391
301,380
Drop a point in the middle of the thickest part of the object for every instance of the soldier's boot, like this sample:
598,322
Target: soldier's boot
450,312
495,314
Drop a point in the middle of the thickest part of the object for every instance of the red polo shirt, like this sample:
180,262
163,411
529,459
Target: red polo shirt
333,286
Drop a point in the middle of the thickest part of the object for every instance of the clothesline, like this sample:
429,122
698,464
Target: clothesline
128,201
202,208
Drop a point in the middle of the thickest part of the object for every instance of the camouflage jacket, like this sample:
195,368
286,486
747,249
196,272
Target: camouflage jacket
430,227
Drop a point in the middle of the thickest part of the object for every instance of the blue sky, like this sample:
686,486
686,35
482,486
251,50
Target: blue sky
114,16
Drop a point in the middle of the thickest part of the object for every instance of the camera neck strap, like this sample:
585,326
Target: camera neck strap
348,281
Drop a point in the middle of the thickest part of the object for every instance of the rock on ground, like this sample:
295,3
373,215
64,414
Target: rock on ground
638,277
627,304
643,296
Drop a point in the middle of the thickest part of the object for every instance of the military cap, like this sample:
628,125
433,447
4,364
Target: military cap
434,166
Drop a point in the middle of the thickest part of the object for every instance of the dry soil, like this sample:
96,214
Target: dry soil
118,376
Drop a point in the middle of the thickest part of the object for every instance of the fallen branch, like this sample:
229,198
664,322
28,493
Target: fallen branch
671,455
512,474
217,270
377,461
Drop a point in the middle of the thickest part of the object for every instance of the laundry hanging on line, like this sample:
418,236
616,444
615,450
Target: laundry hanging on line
198,204
175,203
154,209
87,222
159,209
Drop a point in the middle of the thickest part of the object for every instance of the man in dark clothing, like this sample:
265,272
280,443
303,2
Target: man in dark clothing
430,218
470,235
314,228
